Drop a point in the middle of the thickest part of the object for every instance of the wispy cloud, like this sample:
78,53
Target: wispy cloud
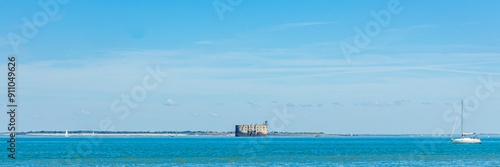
378,103
294,25
306,105
461,71
253,105
426,103
303,67
204,42
336,103
170,102
144,52
85,112
421,27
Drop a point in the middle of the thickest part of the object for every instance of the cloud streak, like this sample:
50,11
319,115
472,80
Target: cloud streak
253,105
304,24
204,42
170,102
85,112
392,103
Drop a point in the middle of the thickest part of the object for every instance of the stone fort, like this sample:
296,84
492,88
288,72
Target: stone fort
251,130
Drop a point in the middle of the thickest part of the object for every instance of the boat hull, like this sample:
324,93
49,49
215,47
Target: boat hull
466,141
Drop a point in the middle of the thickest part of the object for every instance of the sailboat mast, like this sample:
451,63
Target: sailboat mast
462,120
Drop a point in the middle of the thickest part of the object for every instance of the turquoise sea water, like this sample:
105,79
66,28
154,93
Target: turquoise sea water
231,151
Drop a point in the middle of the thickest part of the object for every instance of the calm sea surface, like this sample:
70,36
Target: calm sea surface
231,151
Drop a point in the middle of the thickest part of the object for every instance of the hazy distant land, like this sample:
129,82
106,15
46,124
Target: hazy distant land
202,133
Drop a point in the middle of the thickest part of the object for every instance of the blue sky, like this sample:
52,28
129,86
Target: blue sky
261,57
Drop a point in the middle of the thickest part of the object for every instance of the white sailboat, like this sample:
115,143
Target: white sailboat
464,139
66,135
174,135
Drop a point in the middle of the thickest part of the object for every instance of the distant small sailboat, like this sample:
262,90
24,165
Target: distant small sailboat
93,134
174,135
66,135
464,139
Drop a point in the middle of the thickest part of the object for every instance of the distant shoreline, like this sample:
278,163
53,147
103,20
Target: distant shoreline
209,133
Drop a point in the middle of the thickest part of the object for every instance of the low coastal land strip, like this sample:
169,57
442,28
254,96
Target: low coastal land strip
202,133
152,133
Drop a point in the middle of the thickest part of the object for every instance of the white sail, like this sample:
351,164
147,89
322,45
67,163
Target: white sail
463,139
66,135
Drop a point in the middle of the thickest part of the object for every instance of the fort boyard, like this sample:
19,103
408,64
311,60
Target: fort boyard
251,130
